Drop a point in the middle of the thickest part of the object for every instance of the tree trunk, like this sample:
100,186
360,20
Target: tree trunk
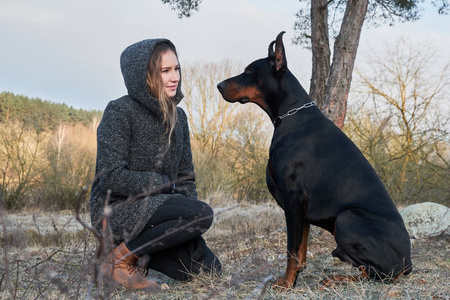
344,55
320,51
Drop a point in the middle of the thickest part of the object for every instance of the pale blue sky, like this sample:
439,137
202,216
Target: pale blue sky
68,51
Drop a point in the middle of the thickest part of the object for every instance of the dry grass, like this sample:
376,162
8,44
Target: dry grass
49,256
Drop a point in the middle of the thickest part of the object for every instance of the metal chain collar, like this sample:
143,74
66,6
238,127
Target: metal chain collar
294,111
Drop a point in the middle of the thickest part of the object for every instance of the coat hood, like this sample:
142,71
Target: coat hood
134,63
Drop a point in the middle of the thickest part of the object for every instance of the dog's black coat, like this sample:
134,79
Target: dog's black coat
318,176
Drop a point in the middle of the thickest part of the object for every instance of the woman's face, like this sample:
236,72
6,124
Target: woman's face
170,73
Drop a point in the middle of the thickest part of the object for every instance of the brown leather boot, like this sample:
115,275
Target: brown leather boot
121,266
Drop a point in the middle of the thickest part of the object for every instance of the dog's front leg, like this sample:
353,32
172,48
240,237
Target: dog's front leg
297,236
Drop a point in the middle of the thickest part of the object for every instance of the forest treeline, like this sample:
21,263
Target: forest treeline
41,113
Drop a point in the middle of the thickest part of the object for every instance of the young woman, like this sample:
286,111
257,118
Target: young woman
144,191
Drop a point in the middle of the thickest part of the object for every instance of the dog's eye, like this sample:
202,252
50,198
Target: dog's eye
248,70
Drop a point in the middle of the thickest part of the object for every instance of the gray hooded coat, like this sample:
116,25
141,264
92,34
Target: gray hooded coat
131,157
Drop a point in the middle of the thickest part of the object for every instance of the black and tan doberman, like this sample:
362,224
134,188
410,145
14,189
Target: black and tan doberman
319,177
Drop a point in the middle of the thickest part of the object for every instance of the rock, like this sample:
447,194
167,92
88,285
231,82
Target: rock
427,219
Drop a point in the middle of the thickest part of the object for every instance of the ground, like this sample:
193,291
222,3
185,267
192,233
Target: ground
49,256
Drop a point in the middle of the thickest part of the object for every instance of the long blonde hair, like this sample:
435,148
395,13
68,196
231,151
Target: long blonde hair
155,85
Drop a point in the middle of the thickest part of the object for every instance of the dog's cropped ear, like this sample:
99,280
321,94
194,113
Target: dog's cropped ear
278,63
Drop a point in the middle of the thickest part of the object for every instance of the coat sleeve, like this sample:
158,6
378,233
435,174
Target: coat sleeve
113,139
186,174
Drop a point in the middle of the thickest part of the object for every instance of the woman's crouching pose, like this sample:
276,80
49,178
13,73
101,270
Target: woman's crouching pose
145,175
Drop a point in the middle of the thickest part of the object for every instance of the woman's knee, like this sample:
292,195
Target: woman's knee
204,217
200,212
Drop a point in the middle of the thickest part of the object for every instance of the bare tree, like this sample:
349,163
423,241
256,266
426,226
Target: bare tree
250,152
21,155
210,118
402,83
211,122
407,86
229,141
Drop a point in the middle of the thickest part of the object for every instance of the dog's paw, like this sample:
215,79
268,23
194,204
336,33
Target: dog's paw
283,284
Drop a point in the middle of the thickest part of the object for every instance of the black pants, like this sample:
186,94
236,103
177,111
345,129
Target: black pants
171,242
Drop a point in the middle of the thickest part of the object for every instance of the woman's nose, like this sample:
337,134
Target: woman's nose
175,76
